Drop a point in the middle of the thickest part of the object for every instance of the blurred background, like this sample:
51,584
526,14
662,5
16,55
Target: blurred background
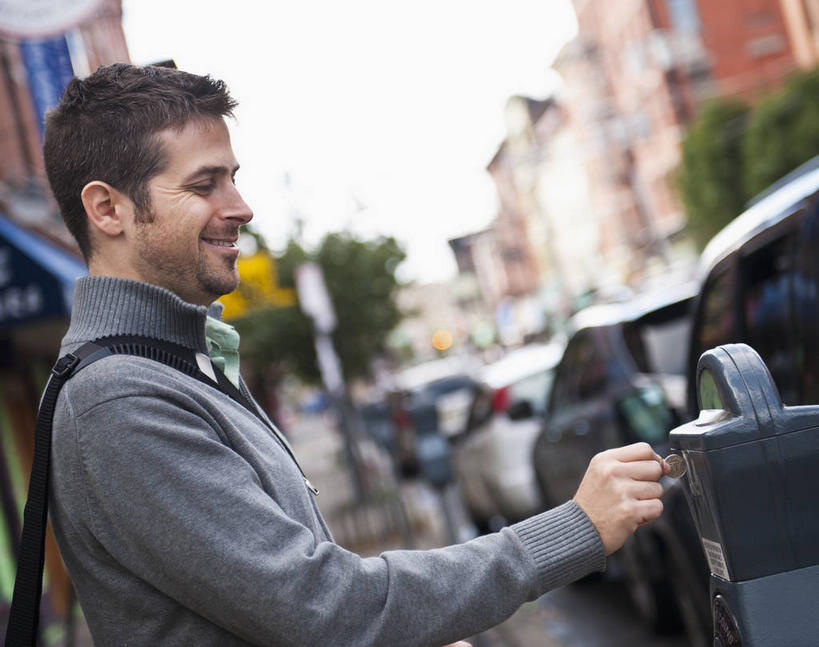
489,241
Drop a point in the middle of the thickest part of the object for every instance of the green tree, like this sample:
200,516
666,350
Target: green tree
360,278
783,132
712,175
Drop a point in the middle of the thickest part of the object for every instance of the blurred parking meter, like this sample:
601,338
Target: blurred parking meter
752,474
432,448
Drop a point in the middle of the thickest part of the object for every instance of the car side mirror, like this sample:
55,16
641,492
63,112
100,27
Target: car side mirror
646,414
520,410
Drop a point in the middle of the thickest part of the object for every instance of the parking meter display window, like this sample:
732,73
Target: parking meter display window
709,393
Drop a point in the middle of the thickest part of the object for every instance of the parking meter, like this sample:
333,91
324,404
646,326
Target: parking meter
751,482
432,448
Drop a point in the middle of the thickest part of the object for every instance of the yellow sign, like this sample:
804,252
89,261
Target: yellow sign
258,288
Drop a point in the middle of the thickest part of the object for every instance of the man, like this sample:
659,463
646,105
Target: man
182,518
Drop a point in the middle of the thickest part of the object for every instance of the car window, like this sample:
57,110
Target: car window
566,389
534,389
593,364
768,277
717,319
806,298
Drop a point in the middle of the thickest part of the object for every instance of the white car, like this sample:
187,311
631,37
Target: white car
493,455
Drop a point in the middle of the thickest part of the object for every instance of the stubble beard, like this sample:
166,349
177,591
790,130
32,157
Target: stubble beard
198,280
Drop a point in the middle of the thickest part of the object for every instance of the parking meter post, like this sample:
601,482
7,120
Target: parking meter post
750,484
435,460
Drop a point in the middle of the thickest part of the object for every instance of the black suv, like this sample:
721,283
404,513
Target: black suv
760,286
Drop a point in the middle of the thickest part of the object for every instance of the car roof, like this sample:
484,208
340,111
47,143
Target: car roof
419,375
771,207
520,363
639,306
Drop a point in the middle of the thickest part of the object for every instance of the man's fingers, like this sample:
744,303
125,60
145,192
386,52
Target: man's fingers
635,452
647,510
643,470
646,490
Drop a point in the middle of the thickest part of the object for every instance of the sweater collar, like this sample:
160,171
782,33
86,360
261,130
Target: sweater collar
105,306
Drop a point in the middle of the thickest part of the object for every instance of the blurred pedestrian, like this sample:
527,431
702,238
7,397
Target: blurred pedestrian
181,513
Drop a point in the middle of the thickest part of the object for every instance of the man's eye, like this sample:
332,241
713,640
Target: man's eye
203,189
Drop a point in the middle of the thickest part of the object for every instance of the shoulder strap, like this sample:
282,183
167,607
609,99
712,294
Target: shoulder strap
24,614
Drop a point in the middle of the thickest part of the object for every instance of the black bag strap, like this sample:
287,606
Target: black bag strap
24,614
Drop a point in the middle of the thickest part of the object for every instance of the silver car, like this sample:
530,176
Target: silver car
493,455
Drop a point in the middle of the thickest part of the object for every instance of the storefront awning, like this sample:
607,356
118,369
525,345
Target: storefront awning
36,277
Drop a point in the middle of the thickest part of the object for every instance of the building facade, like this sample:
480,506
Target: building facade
39,262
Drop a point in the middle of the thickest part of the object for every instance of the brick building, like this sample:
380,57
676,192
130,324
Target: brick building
635,76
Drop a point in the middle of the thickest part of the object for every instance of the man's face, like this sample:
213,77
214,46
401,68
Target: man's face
187,243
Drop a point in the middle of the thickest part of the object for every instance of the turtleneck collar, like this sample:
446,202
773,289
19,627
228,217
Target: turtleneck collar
105,305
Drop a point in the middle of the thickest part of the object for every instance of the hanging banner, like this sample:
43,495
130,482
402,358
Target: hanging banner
48,71
40,18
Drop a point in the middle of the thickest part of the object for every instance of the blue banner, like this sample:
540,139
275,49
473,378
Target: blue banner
48,67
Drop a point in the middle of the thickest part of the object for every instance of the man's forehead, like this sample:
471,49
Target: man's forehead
198,143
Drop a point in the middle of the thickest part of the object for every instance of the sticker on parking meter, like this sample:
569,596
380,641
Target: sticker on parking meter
716,558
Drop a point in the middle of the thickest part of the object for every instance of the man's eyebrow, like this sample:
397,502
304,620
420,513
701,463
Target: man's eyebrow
210,170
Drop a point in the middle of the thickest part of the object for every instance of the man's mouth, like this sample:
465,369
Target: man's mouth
218,242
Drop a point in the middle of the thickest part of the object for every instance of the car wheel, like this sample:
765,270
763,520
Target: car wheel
693,602
649,587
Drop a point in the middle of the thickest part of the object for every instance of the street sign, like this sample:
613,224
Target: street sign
258,287
314,298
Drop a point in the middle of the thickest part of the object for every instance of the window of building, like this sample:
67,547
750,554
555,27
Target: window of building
684,16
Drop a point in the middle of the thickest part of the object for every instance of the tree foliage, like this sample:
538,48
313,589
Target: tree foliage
733,152
783,132
360,278
711,182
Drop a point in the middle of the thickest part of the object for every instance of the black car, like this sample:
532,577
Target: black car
622,380
760,286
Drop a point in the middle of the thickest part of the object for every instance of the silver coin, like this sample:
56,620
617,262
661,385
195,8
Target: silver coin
677,465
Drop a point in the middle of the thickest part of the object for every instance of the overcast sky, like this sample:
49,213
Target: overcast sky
371,115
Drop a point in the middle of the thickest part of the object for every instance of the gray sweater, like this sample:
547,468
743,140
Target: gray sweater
183,521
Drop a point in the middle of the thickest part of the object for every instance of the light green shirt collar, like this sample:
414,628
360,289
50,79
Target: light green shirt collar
223,347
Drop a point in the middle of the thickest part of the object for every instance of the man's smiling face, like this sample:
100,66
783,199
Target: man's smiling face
187,241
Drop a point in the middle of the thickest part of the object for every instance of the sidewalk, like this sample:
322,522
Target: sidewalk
367,529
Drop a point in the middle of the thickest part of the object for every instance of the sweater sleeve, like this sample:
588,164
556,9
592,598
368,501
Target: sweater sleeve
179,511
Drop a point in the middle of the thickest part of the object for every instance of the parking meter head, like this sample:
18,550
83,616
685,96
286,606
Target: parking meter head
751,469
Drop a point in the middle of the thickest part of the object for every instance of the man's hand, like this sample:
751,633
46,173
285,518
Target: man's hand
620,491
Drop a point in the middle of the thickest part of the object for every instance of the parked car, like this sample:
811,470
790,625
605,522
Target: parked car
492,455
760,285
621,380
447,385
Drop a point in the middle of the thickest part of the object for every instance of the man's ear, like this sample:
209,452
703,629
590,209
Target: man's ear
105,207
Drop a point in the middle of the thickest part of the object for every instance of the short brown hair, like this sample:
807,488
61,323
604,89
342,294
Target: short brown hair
105,128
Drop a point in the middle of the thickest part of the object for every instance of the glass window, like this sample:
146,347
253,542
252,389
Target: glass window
717,318
806,305
768,278
684,16
566,385
533,389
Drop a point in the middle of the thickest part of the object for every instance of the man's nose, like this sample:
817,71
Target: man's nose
236,208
